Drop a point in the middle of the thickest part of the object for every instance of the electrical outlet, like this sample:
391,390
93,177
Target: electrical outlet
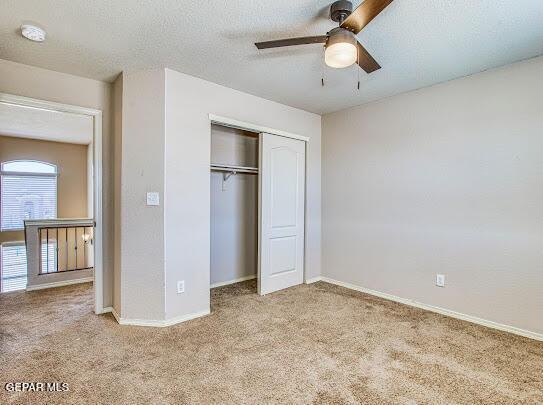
440,280
181,287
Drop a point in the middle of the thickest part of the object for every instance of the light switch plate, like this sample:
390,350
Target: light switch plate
153,198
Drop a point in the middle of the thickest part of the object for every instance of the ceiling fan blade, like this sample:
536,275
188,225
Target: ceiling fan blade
365,60
320,39
363,14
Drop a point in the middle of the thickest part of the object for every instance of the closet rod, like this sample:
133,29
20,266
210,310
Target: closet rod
234,169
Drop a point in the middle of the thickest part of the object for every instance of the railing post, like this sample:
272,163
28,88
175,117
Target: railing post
47,250
66,247
56,250
75,246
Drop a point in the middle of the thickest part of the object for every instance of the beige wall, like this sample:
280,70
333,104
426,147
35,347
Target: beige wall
71,162
90,180
447,179
29,81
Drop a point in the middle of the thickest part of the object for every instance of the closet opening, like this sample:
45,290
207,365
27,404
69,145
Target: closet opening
234,206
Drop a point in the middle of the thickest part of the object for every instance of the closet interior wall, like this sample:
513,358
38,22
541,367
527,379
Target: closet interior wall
234,206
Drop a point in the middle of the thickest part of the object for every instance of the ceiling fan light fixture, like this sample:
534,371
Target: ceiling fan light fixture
341,50
340,55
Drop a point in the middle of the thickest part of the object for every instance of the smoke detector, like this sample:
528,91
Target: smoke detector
33,32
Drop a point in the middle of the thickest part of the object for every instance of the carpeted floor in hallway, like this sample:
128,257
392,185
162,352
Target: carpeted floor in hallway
318,343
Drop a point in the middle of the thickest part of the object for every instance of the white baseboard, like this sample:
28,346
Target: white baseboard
439,310
236,280
155,322
59,283
106,310
115,315
313,280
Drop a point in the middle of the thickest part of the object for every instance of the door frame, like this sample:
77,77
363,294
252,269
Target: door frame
96,116
232,123
248,126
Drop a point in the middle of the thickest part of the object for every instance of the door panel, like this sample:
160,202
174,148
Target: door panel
282,255
281,213
284,179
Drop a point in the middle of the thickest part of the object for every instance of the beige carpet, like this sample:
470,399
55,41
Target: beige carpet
309,344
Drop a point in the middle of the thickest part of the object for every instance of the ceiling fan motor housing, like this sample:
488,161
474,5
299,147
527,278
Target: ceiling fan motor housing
340,48
340,10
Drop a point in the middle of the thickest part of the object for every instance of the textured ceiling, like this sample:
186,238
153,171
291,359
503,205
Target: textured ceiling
418,43
25,122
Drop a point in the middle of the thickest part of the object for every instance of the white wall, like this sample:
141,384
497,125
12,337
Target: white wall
189,101
447,179
142,170
117,154
234,206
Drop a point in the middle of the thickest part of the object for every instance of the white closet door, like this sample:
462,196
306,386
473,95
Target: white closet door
281,213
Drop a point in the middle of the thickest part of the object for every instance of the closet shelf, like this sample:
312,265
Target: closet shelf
234,169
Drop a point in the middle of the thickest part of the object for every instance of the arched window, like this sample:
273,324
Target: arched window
28,191
29,166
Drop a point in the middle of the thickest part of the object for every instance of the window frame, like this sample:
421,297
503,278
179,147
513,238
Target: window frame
9,173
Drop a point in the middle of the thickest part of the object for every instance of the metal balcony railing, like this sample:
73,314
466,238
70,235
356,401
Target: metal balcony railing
65,248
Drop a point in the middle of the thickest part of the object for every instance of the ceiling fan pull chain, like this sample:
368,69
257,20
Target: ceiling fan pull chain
357,68
323,66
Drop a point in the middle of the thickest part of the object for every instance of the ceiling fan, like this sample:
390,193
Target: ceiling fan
342,49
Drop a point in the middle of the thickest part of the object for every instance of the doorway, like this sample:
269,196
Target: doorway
48,215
